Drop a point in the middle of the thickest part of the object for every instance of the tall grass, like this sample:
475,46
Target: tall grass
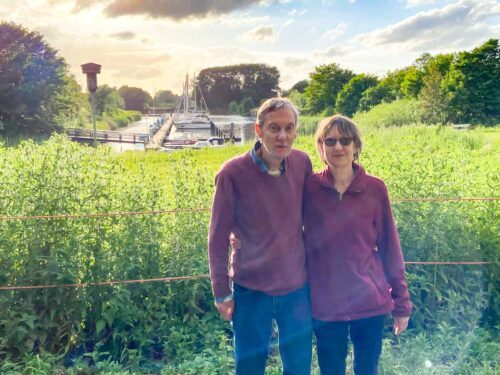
173,326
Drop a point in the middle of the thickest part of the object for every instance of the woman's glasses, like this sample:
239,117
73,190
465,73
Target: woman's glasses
344,141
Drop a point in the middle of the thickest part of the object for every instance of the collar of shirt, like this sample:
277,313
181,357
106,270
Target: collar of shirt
260,163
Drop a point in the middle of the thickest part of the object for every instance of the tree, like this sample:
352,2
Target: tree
136,99
72,105
222,85
375,95
165,97
299,99
433,102
107,99
246,106
325,83
300,87
348,98
473,84
34,83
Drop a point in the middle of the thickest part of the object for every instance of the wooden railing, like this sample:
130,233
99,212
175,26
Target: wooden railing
104,136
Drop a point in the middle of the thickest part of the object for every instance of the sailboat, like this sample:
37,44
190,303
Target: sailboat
191,114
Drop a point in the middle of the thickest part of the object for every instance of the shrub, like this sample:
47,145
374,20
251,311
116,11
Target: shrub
400,112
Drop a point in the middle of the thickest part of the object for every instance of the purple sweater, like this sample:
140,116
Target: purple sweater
354,259
265,212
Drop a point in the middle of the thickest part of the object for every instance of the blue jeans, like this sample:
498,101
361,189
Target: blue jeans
252,328
331,339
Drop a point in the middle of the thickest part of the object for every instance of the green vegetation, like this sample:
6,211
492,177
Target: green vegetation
37,93
243,84
118,118
446,88
172,328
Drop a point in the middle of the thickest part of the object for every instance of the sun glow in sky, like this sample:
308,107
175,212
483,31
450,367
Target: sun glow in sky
153,44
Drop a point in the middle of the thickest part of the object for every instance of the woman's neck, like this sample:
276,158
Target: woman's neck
342,177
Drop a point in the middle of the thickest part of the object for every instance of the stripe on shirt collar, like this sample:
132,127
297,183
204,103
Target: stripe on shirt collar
260,163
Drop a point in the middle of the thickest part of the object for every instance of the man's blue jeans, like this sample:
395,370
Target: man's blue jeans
252,327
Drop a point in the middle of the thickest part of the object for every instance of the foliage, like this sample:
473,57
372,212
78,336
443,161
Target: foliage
222,85
107,100
243,108
434,103
165,99
308,124
119,118
326,81
299,87
375,95
172,327
135,99
298,99
472,85
348,98
35,86
400,112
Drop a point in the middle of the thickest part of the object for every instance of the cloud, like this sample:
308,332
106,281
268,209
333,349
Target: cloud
263,33
124,35
294,62
174,9
295,12
287,23
462,24
333,51
335,33
416,3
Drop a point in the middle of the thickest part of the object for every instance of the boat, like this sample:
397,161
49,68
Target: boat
191,113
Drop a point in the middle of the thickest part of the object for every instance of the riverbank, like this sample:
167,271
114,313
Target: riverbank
119,118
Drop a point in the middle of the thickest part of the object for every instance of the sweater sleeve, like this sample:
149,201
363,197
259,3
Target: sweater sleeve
221,223
392,258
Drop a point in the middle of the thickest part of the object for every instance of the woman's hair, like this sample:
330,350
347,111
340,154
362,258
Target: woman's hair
345,126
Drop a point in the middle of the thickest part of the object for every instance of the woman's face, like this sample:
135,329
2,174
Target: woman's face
336,154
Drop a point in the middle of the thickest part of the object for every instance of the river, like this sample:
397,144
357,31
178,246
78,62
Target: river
243,128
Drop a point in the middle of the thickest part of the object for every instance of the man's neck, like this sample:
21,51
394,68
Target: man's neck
272,164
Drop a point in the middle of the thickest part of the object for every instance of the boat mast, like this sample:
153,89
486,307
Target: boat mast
186,95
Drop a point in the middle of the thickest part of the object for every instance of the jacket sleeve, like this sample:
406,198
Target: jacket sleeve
392,258
221,223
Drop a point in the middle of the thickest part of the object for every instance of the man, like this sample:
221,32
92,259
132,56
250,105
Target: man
258,198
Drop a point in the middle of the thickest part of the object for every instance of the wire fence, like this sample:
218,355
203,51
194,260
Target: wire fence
203,209
206,209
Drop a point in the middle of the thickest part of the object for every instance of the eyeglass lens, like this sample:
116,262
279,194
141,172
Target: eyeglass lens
331,142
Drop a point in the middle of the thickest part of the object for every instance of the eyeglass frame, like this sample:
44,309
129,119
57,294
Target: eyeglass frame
332,142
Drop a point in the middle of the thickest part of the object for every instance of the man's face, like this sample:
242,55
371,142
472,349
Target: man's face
277,134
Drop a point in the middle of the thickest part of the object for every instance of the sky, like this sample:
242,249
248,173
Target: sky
152,44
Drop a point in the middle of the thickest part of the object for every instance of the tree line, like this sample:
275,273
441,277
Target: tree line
455,87
38,95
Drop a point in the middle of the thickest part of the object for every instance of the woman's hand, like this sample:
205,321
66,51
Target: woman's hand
400,324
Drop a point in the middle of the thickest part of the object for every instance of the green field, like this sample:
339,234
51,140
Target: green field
172,328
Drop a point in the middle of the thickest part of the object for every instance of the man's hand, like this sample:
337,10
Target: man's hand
400,324
225,309
235,242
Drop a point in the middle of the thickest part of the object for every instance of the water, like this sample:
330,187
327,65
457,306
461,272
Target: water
243,128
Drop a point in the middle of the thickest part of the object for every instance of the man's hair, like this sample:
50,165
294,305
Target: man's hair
273,104
345,126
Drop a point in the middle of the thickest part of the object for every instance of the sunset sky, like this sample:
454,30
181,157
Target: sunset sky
152,44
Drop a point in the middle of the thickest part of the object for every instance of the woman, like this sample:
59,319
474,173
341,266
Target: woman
355,264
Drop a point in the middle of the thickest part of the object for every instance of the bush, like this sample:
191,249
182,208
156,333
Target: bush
400,112
166,324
